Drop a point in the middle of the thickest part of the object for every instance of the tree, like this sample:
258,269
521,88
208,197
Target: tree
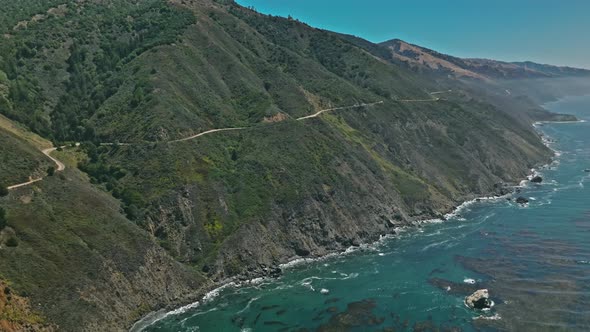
3,190
3,220
50,170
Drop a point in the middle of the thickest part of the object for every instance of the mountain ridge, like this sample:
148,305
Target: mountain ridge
476,67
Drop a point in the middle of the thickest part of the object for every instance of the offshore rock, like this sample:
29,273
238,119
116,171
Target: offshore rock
537,179
479,300
522,200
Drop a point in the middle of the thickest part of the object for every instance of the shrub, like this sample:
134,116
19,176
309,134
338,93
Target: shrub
12,242
50,170
2,219
3,190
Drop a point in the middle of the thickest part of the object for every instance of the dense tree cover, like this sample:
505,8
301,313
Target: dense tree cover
85,54
21,10
109,175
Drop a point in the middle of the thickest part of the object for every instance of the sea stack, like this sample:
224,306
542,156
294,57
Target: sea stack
479,300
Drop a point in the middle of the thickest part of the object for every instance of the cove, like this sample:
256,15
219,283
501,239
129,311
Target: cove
534,259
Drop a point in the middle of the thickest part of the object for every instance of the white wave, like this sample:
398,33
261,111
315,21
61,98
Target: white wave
157,316
467,204
469,281
494,317
294,262
307,284
248,305
256,281
434,245
215,293
182,322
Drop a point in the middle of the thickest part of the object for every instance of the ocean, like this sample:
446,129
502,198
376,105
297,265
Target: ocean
534,259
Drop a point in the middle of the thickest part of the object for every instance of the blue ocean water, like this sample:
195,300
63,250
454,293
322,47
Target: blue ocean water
535,261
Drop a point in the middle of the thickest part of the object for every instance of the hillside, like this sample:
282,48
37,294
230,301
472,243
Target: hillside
484,69
148,214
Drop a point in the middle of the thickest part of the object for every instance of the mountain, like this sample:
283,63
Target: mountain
425,59
218,142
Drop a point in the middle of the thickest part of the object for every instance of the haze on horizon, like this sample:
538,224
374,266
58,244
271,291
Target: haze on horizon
542,31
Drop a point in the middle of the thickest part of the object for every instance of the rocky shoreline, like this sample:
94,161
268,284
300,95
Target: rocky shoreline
253,276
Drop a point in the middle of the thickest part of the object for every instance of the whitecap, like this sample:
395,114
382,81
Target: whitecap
248,305
215,293
307,284
494,317
469,281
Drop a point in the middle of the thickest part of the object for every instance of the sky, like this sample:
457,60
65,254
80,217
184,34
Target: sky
545,31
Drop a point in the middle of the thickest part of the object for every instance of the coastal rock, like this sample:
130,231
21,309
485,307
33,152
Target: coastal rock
537,179
587,170
522,200
502,189
479,300
275,272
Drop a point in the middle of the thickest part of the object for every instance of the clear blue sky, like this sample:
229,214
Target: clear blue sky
546,31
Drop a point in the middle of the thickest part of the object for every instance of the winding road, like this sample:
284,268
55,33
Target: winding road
47,152
425,100
61,166
205,133
337,109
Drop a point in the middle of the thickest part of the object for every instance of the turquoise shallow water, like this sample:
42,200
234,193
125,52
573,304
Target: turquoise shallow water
535,261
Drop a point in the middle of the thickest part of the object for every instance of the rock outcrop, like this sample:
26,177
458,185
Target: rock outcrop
479,300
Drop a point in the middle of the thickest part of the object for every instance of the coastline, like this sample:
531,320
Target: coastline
235,281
